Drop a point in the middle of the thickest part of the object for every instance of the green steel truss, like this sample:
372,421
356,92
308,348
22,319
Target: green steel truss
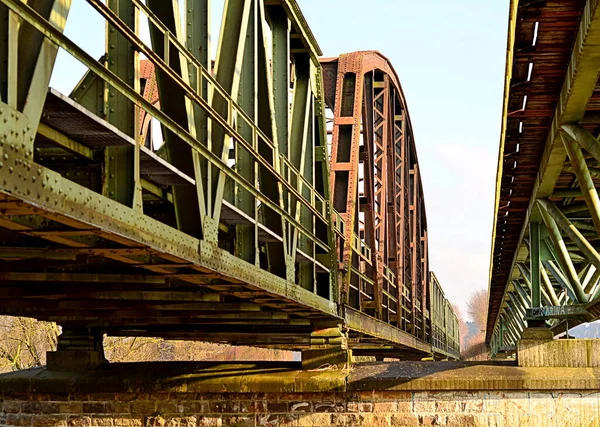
218,226
554,281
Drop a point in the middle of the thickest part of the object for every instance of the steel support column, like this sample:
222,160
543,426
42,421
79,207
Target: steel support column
535,264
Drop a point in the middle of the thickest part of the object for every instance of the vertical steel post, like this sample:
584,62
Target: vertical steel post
4,35
534,257
501,334
119,174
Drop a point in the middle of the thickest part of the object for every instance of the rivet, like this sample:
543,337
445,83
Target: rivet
10,169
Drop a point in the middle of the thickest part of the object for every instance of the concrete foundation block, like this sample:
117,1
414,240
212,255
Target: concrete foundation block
74,360
569,353
339,357
537,334
77,350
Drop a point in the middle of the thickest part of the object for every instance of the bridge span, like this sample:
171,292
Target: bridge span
262,198
545,261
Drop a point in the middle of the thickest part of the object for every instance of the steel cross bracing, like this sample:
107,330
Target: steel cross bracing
173,195
545,266
377,191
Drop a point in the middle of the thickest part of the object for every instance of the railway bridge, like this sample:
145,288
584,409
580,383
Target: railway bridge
266,196
545,264
263,197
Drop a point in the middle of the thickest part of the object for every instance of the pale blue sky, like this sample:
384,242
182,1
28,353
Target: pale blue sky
450,58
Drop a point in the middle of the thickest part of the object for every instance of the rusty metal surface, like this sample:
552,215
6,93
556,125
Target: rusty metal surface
527,128
224,233
377,190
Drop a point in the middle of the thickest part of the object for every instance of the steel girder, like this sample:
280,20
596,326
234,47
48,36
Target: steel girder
557,253
223,204
218,226
378,199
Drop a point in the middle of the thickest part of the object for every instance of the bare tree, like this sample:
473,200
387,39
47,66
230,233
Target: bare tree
134,349
24,342
474,342
477,308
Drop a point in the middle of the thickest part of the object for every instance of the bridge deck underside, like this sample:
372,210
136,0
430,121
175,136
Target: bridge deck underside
216,227
151,292
71,256
542,46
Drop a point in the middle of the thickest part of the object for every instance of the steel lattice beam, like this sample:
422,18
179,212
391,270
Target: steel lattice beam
220,226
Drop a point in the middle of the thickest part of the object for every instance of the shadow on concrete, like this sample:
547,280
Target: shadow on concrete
246,377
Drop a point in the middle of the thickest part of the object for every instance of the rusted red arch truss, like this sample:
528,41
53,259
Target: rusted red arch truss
377,190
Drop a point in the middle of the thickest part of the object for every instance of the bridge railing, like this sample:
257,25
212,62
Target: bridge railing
227,159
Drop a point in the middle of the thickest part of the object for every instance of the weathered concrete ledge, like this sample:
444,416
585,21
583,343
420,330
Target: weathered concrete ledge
409,394
284,377
548,352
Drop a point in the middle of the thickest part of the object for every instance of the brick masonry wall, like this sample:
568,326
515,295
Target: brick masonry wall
373,409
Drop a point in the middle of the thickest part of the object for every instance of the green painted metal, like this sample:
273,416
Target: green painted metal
569,259
232,214
534,257
4,45
119,180
557,312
